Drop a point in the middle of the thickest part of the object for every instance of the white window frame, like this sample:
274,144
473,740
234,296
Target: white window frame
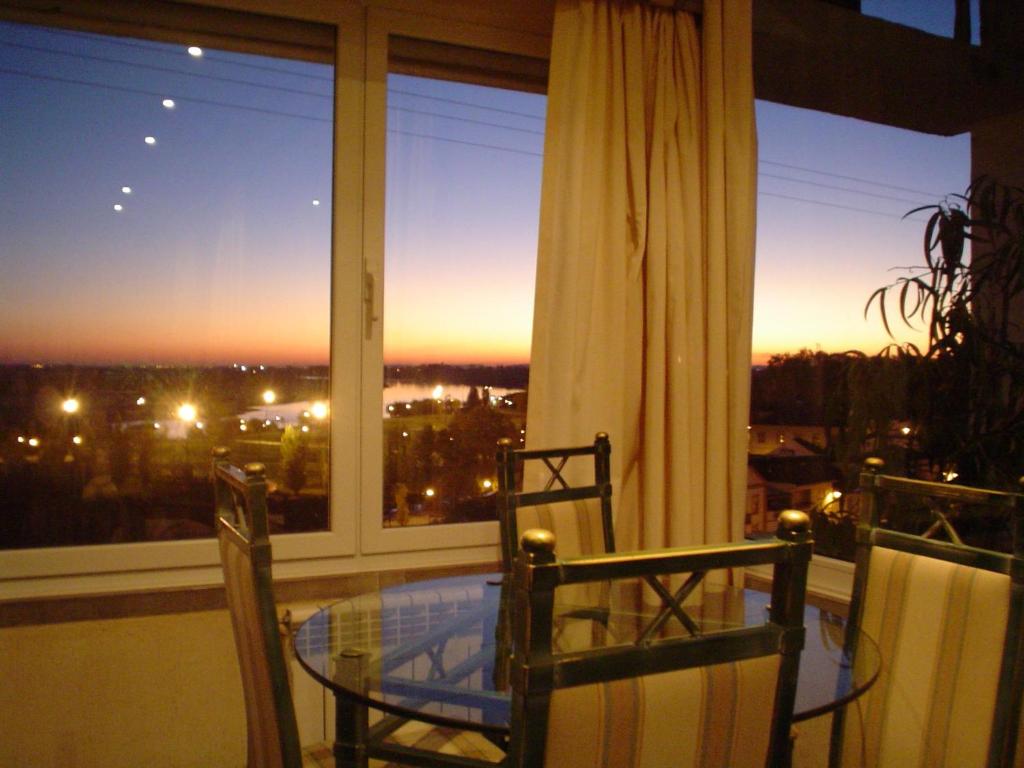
175,563
381,25
356,540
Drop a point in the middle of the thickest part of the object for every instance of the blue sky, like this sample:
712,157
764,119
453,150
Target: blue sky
219,253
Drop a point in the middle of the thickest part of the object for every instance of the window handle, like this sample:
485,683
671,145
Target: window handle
369,306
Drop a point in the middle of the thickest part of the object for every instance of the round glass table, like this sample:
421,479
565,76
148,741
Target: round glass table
437,651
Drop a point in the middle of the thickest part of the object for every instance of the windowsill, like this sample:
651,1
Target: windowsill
828,580
56,609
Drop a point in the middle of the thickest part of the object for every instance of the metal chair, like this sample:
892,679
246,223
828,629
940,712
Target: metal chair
717,698
240,510
563,504
947,620
273,740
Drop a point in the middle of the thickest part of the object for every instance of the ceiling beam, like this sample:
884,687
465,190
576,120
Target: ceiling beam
815,55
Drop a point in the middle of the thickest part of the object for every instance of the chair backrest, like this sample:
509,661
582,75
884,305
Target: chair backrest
719,696
564,490
241,517
947,621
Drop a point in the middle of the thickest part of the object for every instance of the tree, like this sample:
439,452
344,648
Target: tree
967,385
294,455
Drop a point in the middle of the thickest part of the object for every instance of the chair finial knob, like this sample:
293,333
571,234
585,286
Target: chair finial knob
221,452
505,442
538,541
793,524
255,469
874,464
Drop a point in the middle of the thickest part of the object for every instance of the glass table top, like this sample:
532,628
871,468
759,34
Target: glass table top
437,650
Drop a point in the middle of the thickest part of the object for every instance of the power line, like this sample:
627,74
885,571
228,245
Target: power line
851,178
467,143
467,120
836,205
464,103
837,188
158,48
183,99
154,68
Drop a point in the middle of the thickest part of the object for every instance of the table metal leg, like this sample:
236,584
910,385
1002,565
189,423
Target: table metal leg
351,725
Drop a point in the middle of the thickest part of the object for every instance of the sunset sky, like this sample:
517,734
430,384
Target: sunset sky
219,253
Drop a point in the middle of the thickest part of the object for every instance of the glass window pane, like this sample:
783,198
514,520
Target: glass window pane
165,226
834,224
463,191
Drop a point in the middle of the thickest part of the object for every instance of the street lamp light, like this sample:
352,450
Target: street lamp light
269,396
187,412
70,405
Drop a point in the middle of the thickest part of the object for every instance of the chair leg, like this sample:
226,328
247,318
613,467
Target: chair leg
351,725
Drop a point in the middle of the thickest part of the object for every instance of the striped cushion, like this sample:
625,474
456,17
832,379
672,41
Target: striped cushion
704,717
940,628
577,525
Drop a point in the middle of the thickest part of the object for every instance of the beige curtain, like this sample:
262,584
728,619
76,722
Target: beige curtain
643,310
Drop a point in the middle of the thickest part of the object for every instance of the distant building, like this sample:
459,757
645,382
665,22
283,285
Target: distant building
792,482
786,439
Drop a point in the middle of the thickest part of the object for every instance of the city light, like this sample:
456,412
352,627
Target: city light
140,401
168,103
187,412
21,438
438,392
200,425
832,497
77,439
429,493
269,396
951,475
316,202
319,410
126,190
195,51
151,140
487,484
70,405
305,427
905,430
118,207
34,442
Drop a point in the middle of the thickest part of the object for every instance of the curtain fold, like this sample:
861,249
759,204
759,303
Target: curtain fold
643,304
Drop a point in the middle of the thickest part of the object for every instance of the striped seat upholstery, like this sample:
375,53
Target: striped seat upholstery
665,698
940,628
567,491
719,712
948,621
272,732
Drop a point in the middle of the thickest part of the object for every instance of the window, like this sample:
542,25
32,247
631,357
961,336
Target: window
834,194
166,225
936,18
452,212
463,189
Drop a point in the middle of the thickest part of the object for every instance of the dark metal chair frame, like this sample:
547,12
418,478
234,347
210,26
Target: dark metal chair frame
240,499
876,487
538,669
556,488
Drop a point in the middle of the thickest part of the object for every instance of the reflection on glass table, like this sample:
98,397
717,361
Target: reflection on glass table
437,651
